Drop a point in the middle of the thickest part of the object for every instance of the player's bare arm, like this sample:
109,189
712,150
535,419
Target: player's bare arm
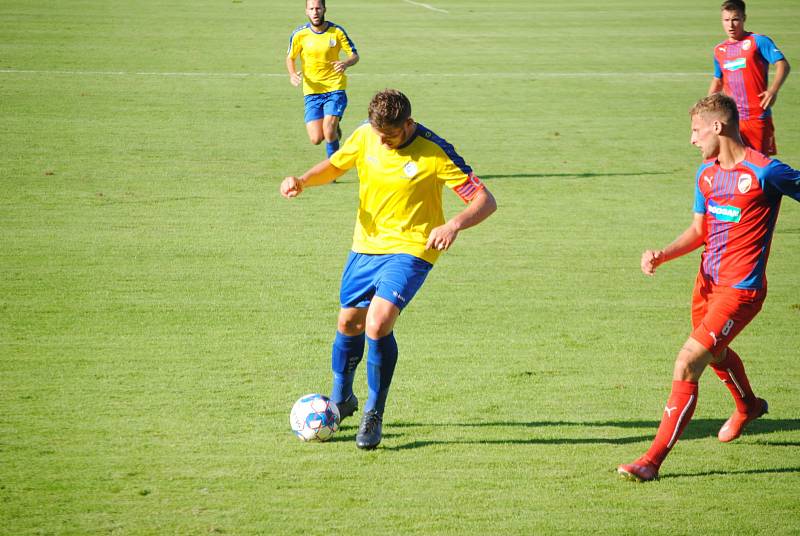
480,208
341,66
768,97
692,238
716,86
320,174
295,78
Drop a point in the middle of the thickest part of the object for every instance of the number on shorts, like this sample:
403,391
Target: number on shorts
727,328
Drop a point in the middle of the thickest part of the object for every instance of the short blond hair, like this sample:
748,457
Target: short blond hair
718,105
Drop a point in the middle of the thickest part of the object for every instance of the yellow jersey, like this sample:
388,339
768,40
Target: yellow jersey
317,53
400,190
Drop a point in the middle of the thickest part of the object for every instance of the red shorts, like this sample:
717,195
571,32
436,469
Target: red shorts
720,313
759,134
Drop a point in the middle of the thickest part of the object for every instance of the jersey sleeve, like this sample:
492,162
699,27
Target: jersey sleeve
768,49
346,43
699,198
717,69
294,44
783,179
457,175
347,155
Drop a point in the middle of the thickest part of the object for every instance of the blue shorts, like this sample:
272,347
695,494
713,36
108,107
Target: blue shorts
394,277
319,105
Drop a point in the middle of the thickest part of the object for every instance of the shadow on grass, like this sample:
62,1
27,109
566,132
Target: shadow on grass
776,470
572,175
697,429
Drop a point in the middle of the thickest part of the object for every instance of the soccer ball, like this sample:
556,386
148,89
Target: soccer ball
314,418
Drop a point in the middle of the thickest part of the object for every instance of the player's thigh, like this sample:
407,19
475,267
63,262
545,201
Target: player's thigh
381,317
729,311
330,124
315,131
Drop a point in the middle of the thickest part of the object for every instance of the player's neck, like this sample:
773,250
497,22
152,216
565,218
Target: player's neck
731,153
321,28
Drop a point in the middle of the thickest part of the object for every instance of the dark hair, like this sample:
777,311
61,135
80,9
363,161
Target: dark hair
719,105
389,109
733,5
321,1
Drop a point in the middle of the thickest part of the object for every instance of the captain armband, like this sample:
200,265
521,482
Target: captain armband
468,189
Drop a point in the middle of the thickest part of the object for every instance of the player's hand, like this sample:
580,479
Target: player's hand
291,187
650,261
441,238
339,66
768,98
296,79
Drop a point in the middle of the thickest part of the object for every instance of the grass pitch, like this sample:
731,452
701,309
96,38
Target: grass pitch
161,307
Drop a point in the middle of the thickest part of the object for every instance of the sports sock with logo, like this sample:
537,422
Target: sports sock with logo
346,355
731,372
677,414
381,360
331,147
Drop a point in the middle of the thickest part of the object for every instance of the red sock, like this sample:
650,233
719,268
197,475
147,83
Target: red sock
731,372
677,414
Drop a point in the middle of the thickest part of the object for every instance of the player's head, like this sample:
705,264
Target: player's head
733,17
713,117
390,117
315,11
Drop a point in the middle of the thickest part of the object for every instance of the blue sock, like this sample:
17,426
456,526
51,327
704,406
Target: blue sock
381,360
345,357
331,147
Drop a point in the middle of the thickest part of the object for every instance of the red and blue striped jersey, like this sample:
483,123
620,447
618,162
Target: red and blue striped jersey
741,207
743,67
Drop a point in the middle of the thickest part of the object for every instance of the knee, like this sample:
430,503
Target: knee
378,328
316,139
350,327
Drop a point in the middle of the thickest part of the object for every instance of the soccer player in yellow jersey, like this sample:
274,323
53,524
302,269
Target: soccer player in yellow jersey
400,231
319,44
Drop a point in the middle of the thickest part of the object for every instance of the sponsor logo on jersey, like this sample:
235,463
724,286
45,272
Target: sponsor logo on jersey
410,169
372,160
725,212
745,182
707,179
735,65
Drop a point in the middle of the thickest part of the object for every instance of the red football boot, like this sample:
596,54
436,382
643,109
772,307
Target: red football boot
734,426
639,471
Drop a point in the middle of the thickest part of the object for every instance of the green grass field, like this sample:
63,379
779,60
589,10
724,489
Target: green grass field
161,306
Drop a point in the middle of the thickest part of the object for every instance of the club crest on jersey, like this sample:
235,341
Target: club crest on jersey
735,65
745,182
410,169
746,45
332,42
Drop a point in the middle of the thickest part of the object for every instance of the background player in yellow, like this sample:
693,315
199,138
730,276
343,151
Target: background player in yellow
319,44
400,232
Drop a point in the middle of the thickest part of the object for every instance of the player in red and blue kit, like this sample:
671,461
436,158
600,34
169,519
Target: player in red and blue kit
738,195
741,70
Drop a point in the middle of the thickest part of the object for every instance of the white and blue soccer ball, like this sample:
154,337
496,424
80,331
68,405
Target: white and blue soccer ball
314,418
